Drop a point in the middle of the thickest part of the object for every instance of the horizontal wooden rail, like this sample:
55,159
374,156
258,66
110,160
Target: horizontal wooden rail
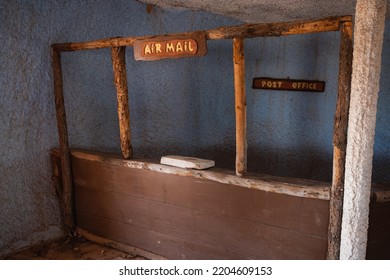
282,185
241,31
290,186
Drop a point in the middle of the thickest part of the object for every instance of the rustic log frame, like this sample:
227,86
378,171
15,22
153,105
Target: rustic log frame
340,141
240,105
66,193
120,80
343,24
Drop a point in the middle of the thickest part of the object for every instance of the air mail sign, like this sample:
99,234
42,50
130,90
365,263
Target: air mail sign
193,44
287,84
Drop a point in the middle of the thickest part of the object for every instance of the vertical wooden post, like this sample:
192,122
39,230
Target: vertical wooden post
66,199
340,141
240,105
120,80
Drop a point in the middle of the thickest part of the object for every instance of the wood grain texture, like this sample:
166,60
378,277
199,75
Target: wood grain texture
230,32
276,29
165,245
240,106
184,217
118,55
237,237
121,202
340,141
66,192
380,192
236,202
273,184
117,245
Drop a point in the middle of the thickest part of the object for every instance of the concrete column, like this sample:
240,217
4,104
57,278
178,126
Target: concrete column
366,66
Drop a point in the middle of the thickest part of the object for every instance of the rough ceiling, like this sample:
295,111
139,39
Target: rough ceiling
265,10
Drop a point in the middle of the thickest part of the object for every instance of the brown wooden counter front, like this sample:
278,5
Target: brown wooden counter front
185,214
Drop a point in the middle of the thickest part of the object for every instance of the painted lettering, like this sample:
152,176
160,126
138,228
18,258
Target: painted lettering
179,47
287,84
176,46
147,49
271,84
190,48
170,47
158,48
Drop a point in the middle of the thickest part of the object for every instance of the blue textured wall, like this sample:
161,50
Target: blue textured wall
381,168
183,106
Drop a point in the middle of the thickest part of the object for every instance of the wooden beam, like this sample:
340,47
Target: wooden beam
340,141
276,29
273,184
120,80
66,198
229,32
380,193
118,245
98,44
240,105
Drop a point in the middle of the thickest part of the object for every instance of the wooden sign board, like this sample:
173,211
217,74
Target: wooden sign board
288,84
170,46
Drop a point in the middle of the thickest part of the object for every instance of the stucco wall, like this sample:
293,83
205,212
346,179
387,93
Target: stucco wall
181,106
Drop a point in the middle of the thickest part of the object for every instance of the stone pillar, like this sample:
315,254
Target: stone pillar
366,66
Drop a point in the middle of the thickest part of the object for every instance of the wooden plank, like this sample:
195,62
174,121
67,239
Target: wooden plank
118,245
281,185
236,236
118,55
240,106
295,213
380,192
340,141
242,31
165,245
382,196
66,193
277,29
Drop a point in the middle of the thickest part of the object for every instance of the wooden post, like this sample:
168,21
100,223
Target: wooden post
340,141
120,80
66,198
240,105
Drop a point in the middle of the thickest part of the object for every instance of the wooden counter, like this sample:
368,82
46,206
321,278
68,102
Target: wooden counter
206,214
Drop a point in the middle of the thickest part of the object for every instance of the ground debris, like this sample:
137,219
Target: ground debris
71,248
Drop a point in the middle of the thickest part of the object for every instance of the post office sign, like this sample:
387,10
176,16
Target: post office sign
288,84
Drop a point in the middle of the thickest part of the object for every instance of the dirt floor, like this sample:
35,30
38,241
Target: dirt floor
74,248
